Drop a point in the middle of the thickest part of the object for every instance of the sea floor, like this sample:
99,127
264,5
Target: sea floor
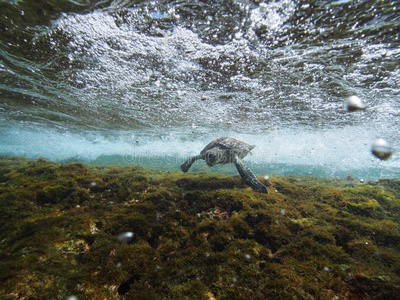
193,236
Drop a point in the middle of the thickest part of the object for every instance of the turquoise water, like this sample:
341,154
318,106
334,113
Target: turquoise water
152,82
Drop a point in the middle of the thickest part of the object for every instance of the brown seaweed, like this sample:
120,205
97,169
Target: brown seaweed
195,236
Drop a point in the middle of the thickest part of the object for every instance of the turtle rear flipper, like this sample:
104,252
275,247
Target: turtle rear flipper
249,177
187,164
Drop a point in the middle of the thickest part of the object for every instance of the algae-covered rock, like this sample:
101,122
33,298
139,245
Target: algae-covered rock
193,236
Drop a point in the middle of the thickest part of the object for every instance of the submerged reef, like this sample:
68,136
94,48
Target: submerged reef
193,236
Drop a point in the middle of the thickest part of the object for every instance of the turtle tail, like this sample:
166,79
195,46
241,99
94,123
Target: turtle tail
249,177
187,164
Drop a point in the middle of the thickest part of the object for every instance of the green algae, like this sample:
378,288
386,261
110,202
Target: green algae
195,236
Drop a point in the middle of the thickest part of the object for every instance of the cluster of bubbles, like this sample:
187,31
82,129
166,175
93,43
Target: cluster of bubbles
239,64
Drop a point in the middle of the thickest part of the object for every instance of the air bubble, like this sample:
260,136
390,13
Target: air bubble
354,103
125,236
266,180
381,149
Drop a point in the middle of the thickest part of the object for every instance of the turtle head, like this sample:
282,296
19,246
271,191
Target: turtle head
215,156
211,157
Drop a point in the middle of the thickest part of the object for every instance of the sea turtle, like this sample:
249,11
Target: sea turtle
226,150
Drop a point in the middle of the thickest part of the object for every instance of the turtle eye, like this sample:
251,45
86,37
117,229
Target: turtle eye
211,157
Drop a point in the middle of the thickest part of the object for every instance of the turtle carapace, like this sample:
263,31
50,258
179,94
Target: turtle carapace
226,150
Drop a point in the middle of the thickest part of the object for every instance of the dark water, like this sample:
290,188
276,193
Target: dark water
144,81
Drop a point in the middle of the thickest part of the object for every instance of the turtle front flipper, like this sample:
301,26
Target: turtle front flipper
187,164
249,177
